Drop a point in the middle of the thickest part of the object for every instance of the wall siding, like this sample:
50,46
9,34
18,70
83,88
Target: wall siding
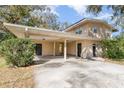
71,48
86,30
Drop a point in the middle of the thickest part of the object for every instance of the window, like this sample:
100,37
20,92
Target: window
78,31
94,29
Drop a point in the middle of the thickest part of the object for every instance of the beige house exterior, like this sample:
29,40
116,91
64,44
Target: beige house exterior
80,39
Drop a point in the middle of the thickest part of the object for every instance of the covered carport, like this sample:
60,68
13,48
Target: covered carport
40,34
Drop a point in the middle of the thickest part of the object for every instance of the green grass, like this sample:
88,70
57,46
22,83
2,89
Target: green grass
2,62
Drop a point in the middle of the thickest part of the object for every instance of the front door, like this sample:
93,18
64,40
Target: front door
94,50
79,49
38,49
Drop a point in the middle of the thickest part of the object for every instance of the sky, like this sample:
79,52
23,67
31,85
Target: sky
74,13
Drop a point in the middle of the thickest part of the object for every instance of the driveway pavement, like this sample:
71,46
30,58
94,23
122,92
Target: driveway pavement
77,73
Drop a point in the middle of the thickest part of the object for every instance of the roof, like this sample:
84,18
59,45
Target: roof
43,34
88,20
47,34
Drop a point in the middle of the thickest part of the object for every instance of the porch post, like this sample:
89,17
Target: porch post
65,49
76,49
26,33
54,49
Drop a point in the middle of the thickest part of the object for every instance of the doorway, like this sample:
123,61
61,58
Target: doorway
38,49
94,50
79,48
61,49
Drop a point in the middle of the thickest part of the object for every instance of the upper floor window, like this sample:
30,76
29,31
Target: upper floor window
78,31
94,29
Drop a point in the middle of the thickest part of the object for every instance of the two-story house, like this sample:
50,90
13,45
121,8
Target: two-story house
80,39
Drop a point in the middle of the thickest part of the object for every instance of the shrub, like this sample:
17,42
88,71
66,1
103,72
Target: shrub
6,36
113,49
18,52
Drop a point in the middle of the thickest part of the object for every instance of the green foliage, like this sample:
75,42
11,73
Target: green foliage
5,36
63,26
39,16
113,48
95,9
117,12
18,52
14,14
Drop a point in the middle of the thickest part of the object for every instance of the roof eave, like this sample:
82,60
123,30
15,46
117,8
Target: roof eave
83,21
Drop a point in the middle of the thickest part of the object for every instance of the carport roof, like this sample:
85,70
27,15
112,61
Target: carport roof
42,34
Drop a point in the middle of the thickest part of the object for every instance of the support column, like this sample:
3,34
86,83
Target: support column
54,49
26,33
76,48
65,50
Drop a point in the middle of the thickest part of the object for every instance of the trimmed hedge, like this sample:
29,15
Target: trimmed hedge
18,52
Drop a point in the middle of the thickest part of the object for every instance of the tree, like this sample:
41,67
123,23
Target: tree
14,14
95,9
117,12
39,16
63,26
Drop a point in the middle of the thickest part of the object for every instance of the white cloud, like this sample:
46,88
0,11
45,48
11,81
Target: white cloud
80,9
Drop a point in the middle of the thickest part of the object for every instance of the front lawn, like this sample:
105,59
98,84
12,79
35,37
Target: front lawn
15,77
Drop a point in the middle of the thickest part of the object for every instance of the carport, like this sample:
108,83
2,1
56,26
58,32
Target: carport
40,34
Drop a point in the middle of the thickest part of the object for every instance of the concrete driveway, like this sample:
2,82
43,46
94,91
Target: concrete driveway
77,73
